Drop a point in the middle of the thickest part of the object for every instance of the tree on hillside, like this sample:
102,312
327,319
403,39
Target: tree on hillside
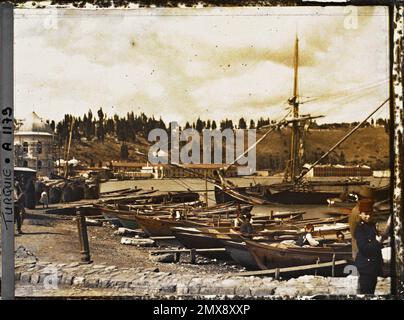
100,126
252,124
124,152
199,125
342,159
214,126
242,124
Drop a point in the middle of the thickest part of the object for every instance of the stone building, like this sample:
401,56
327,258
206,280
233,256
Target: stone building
35,145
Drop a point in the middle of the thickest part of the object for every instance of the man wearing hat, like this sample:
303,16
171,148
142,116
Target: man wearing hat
18,206
369,257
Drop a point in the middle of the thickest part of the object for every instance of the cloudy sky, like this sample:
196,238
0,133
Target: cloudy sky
214,63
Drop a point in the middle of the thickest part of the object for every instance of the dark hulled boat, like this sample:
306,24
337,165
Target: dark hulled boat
239,253
162,226
198,240
270,256
284,193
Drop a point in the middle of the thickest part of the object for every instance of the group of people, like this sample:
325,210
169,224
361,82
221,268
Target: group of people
307,239
19,205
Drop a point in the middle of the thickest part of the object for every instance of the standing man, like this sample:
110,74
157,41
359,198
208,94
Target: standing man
18,206
369,257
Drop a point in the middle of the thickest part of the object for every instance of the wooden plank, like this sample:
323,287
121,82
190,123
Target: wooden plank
211,250
186,250
163,238
168,251
290,269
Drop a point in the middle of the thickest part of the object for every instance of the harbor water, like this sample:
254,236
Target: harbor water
195,184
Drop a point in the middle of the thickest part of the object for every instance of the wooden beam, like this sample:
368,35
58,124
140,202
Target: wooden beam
290,269
163,238
186,250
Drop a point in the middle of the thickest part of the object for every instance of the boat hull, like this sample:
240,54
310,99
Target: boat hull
240,254
202,241
270,257
112,218
128,222
161,227
287,197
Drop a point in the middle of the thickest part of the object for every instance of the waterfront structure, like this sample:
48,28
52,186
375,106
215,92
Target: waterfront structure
338,171
159,171
35,146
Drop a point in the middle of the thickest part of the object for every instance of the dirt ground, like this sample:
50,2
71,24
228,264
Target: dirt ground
55,239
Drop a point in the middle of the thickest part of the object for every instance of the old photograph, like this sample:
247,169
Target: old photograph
193,152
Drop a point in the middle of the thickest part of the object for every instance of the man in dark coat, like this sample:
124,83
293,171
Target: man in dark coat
18,206
246,228
369,258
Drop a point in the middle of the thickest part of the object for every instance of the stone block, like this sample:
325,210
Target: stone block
168,288
67,279
78,281
138,242
25,277
164,258
35,278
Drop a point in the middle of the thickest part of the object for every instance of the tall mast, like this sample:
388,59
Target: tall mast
295,137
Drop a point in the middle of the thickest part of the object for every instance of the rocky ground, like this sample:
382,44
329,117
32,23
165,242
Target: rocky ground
47,264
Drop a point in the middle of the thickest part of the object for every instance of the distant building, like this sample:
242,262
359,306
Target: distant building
170,171
339,171
34,145
196,170
381,174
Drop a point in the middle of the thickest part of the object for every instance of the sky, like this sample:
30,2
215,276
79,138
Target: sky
213,63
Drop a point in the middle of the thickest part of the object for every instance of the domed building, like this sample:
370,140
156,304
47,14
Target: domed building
34,145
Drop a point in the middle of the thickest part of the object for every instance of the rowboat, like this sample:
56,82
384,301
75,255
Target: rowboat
279,255
198,240
154,197
233,241
111,216
153,206
160,226
127,221
240,254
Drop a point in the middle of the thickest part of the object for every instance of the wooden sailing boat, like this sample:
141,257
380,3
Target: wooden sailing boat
292,190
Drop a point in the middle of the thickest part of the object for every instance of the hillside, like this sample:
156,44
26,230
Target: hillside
368,146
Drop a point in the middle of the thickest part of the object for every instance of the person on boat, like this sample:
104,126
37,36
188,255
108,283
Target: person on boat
369,260
306,239
340,237
249,217
237,221
246,228
172,214
178,215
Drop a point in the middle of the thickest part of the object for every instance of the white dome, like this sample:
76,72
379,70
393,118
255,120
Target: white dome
34,123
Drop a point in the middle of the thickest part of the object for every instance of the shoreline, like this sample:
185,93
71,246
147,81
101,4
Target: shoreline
48,253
